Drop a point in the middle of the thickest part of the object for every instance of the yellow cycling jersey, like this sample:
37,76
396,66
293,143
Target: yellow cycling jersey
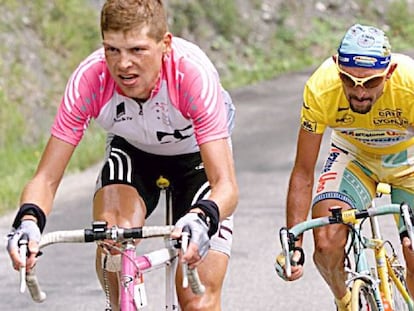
386,129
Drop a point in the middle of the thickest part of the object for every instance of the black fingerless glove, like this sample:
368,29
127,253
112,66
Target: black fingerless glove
211,215
30,209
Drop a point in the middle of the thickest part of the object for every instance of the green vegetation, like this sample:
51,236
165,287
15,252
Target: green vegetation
222,16
291,49
24,117
45,40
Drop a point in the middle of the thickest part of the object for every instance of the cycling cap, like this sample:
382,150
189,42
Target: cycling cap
364,46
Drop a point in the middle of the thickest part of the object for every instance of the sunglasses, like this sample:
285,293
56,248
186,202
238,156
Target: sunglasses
368,82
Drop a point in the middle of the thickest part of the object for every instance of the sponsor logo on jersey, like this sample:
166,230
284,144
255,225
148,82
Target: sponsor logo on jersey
391,117
375,137
324,178
175,136
309,125
345,120
333,155
120,113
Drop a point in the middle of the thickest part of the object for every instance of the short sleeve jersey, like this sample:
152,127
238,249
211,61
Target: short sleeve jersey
185,109
386,129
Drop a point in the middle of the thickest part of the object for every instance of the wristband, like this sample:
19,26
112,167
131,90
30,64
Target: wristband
211,215
30,209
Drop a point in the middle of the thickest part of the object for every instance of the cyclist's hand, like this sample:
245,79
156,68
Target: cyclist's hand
297,261
32,231
199,241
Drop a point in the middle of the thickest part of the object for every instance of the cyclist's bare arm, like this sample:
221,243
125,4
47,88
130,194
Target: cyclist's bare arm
300,188
302,177
219,167
41,189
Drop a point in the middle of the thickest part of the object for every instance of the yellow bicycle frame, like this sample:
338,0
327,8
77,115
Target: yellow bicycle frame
383,264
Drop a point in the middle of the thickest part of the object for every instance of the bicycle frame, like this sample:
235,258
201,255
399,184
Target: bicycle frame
379,280
363,269
133,295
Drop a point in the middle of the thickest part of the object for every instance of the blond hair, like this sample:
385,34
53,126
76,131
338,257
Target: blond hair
126,15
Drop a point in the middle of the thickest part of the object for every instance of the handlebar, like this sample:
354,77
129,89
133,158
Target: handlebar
288,237
99,232
284,240
407,216
190,276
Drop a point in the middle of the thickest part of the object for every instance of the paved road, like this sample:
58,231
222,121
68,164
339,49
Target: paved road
264,147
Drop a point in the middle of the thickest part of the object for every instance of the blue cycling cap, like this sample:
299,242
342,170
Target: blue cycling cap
364,46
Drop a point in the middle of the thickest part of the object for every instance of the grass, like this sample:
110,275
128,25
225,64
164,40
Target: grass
67,31
25,119
19,162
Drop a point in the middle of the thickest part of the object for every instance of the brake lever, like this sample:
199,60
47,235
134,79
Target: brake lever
406,212
23,251
185,237
284,240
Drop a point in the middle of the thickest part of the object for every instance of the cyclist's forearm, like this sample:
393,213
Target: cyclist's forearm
35,205
298,199
40,193
226,199
220,170
228,207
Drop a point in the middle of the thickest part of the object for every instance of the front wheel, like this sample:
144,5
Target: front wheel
362,297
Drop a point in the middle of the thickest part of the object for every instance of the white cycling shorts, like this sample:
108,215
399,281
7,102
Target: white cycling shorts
222,240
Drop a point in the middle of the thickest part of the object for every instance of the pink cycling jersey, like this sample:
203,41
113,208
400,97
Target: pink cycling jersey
185,109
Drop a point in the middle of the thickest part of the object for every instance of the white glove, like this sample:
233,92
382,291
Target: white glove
198,231
28,227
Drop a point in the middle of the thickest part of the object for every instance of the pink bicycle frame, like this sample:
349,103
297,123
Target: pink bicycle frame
128,283
132,291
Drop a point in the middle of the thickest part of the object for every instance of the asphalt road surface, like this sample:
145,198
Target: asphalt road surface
264,148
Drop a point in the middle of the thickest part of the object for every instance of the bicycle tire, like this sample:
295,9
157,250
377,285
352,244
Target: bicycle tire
398,302
362,297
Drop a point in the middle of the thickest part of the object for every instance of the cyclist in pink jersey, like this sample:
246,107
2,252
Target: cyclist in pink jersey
160,99
364,93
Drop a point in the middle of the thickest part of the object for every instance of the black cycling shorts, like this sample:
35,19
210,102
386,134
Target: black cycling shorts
125,164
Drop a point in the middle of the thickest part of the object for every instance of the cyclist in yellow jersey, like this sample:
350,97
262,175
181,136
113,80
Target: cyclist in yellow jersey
365,95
